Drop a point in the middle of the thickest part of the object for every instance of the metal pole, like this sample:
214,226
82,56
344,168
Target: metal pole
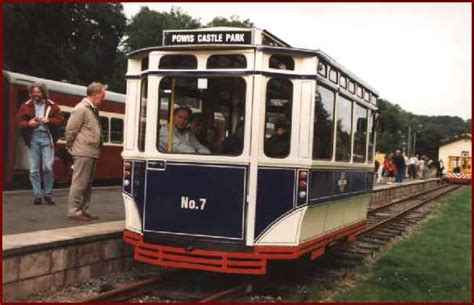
414,142
171,111
409,141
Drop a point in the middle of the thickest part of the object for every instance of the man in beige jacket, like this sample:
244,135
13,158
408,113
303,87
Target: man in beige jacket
83,141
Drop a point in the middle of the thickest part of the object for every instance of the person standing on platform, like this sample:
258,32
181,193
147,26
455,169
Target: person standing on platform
399,162
83,141
39,120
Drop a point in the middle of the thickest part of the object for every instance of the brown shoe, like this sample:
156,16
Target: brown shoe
91,216
38,201
80,217
49,200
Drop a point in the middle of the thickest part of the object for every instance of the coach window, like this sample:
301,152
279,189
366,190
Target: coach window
366,95
373,99
358,91
104,124
351,87
333,75
344,129
116,130
278,108
178,62
360,134
142,115
62,128
323,124
282,62
232,61
322,69
343,82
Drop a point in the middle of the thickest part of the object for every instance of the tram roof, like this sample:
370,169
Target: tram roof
272,44
57,86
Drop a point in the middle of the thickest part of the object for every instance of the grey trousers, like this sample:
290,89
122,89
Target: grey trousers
80,191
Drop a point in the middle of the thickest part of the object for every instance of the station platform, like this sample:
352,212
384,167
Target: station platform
20,215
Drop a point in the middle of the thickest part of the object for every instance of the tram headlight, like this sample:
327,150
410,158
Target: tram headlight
126,182
302,195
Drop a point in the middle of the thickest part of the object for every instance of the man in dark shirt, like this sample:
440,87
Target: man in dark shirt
399,162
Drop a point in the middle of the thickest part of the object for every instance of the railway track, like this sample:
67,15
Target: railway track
384,223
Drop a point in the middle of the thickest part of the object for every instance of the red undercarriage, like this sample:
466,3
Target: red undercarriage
459,180
233,262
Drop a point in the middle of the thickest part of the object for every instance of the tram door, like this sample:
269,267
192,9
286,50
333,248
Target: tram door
204,186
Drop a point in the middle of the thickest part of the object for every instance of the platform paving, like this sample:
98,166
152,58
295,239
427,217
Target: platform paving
20,215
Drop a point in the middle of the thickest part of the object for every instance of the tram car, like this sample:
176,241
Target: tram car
456,156
15,158
288,174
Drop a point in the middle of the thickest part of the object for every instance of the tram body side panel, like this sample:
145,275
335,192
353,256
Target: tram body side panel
195,200
337,199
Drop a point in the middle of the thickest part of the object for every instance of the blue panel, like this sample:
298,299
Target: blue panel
358,181
275,196
321,184
196,200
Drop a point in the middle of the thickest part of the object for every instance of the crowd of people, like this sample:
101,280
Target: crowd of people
397,166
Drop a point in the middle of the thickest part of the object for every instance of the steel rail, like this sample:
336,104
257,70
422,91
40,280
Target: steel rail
406,211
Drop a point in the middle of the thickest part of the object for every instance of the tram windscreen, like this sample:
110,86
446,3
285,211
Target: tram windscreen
208,115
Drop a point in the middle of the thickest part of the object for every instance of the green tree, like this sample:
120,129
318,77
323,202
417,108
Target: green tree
146,27
72,41
234,21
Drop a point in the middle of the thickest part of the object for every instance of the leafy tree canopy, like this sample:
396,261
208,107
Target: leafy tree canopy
234,21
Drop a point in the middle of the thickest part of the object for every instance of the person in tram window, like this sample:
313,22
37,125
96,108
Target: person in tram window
39,120
184,141
278,145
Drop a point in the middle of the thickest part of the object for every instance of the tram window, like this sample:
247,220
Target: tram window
366,95
145,63
178,62
116,130
282,62
333,75
351,87
104,125
142,115
343,81
206,121
322,69
232,61
358,91
62,128
360,134
278,108
344,129
373,126
373,99
323,124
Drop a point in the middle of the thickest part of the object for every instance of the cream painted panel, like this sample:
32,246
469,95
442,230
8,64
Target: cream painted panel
132,216
283,232
313,222
335,215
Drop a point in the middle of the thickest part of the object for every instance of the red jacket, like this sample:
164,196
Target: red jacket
27,112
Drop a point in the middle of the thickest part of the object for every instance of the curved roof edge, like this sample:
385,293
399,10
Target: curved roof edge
25,80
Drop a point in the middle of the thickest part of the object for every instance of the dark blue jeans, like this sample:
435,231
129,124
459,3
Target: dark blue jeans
400,174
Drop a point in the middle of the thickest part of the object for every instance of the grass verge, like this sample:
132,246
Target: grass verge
434,264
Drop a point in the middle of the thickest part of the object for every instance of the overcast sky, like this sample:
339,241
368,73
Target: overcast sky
415,55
